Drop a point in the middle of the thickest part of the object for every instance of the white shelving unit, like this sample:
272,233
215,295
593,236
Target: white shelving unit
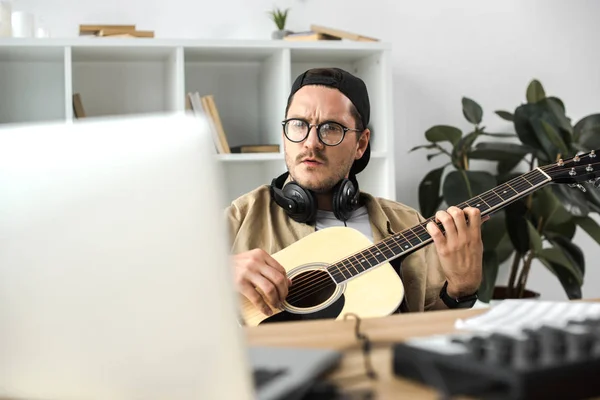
250,82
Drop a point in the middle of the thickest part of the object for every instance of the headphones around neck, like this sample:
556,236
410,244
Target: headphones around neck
301,204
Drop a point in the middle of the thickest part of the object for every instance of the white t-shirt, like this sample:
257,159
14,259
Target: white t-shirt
359,220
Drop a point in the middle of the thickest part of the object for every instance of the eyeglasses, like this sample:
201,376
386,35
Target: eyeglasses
330,133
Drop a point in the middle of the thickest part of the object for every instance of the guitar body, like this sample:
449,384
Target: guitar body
314,294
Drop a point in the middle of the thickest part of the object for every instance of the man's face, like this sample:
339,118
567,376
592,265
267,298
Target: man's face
312,164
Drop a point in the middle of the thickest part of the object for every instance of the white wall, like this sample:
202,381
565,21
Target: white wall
442,50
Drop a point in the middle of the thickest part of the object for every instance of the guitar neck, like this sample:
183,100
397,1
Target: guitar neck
409,240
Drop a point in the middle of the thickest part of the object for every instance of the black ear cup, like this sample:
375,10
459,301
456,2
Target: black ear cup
306,201
301,204
345,199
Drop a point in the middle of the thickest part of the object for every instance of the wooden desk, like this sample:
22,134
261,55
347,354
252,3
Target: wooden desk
382,332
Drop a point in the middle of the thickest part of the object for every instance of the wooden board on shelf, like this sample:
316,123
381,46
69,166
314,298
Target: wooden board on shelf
341,34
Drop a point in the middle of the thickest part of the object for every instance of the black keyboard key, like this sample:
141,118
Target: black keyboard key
262,376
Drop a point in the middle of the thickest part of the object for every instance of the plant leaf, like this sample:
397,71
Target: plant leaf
547,207
566,229
590,226
441,133
504,115
430,156
570,249
559,264
555,138
493,230
535,240
461,185
497,151
501,135
463,146
557,108
522,121
505,248
587,132
490,273
429,192
516,225
535,91
423,146
472,111
507,165
531,131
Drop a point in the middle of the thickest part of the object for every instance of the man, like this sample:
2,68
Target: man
326,141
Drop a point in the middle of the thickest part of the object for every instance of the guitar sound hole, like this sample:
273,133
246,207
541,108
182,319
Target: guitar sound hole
310,289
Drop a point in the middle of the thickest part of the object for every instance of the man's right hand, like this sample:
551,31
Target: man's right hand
257,269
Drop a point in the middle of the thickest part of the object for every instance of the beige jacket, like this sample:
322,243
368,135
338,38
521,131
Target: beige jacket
255,221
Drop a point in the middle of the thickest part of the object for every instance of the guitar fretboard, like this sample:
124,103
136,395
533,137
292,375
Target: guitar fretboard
413,238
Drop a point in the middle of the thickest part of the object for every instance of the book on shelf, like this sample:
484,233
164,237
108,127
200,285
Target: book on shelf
205,106
256,148
114,31
341,34
78,110
308,36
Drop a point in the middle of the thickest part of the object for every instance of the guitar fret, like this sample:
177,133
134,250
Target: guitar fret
337,274
405,245
536,177
413,238
380,254
353,267
422,233
371,257
493,198
505,192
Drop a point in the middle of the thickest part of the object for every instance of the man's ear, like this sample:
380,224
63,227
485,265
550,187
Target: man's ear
363,141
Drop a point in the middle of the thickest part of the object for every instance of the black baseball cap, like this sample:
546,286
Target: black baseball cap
352,87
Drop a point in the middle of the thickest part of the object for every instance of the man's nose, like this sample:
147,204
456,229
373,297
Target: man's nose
312,140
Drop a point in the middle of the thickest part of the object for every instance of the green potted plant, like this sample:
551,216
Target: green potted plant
539,226
279,17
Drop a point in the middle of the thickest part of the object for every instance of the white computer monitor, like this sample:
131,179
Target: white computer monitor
114,274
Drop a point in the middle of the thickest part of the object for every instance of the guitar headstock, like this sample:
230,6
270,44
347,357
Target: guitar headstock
583,167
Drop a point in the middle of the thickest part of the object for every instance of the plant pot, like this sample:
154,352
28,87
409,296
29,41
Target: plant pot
278,35
500,293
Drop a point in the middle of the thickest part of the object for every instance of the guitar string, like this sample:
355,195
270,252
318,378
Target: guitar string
320,284
305,277
487,196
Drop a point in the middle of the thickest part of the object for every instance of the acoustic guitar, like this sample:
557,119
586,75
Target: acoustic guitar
338,270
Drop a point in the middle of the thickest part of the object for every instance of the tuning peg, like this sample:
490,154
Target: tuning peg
578,186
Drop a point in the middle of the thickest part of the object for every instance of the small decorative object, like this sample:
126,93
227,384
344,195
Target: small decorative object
5,18
22,24
279,17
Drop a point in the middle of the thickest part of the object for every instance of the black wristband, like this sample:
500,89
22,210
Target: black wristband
457,302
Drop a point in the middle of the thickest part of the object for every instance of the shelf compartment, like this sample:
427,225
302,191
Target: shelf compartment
121,80
32,82
249,87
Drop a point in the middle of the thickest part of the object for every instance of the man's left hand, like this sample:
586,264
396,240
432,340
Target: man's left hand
460,249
